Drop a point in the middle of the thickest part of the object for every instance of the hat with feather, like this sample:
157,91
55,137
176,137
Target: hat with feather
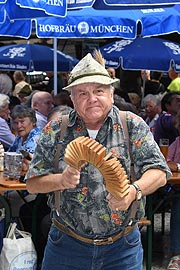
91,69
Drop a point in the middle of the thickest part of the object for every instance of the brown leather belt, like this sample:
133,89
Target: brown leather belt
103,241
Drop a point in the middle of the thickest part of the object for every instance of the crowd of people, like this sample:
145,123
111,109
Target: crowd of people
93,96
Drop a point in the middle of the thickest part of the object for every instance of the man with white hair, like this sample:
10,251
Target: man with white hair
42,103
152,105
6,136
95,228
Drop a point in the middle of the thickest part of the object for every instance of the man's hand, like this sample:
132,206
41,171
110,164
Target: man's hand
124,203
173,166
70,178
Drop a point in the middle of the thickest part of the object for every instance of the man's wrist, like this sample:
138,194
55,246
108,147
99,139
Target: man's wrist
138,192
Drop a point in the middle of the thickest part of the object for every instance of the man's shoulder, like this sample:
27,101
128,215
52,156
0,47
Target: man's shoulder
165,115
175,85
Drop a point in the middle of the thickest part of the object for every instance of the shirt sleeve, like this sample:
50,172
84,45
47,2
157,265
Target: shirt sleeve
6,136
43,158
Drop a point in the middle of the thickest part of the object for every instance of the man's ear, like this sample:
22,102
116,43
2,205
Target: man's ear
112,96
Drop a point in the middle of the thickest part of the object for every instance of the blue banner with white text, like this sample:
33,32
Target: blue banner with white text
88,23
51,7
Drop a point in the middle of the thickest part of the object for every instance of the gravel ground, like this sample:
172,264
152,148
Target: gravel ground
160,253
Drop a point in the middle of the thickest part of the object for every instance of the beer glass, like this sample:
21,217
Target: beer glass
164,144
12,165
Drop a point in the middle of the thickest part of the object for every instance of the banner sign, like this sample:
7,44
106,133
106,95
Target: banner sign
51,7
88,23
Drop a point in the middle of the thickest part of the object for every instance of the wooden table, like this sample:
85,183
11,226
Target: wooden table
12,184
175,179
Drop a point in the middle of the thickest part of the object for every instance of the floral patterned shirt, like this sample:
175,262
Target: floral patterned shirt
85,208
29,145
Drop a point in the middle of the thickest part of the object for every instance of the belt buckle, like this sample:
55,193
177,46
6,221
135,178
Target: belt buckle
106,241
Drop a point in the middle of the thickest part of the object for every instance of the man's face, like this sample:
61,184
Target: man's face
5,113
92,101
173,107
151,109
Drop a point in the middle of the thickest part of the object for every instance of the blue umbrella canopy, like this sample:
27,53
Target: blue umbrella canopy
19,9
114,4
30,57
142,53
91,23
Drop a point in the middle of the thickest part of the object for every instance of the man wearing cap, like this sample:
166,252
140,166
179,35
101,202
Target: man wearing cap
91,228
24,93
19,79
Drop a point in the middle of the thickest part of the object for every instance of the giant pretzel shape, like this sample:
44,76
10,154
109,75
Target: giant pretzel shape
84,149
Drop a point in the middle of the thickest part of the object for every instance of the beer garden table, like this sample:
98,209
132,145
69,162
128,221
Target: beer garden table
12,184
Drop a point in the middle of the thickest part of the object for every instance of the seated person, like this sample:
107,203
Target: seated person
1,157
154,86
42,103
6,135
136,101
24,122
124,105
20,81
165,124
24,93
58,111
151,105
174,164
63,98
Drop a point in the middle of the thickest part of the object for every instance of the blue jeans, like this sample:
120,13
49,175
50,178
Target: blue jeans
66,253
174,226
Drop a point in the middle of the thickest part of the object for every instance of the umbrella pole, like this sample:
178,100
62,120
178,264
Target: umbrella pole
55,65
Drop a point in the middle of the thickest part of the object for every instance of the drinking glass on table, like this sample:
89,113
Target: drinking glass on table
12,165
164,145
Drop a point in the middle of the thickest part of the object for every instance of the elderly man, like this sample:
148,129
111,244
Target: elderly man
95,229
6,135
42,103
152,110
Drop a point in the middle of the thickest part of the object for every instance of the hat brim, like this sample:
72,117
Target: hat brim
91,79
